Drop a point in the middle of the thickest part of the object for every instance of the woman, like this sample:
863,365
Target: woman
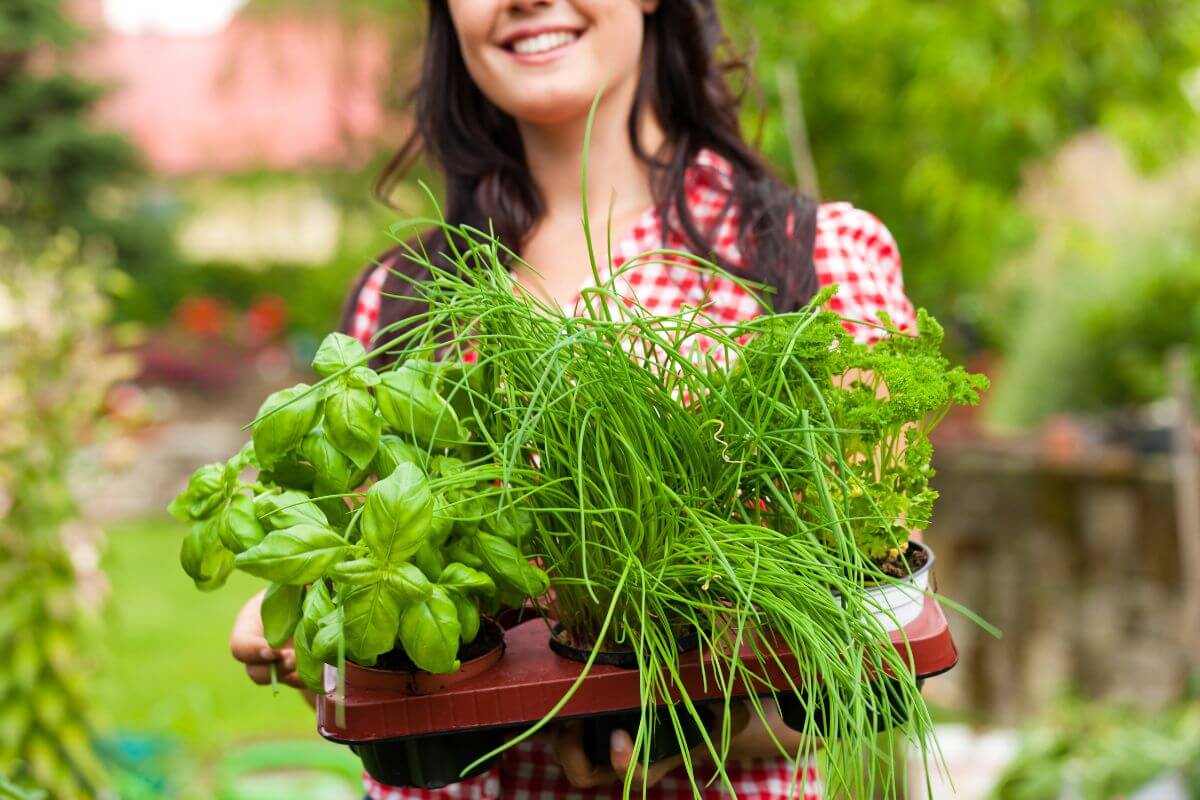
501,109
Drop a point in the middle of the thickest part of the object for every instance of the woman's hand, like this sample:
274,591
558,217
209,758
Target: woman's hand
249,646
566,744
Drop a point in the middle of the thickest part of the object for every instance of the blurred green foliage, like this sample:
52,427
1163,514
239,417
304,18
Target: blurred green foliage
1094,752
56,169
927,114
167,665
1096,334
56,373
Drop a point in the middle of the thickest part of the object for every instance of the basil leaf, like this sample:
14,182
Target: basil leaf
351,424
287,509
324,643
464,552
406,580
430,561
372,620
430,631
510,523
292,413
337,351
239,528
335,510
204,558
468,616
362,377
244,458
317,604
504,561
394,451
466,580
358,572
398,514
205,493
334,472
281,611
443,523
410,406
297,555
372,598
310,669
447,467
468,513
291,473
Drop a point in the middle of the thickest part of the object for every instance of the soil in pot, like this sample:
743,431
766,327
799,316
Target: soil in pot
597,730
793,707
428,762
904,564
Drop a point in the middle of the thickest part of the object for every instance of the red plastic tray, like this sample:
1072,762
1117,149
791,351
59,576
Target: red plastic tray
529,679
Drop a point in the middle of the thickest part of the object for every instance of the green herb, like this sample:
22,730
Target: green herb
667,491
380,564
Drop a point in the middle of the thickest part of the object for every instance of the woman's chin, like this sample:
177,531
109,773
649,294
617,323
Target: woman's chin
549,101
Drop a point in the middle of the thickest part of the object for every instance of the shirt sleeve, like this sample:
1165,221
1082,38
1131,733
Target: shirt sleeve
856,251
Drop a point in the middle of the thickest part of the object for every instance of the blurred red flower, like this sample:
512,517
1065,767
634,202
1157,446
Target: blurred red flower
203,316
266,318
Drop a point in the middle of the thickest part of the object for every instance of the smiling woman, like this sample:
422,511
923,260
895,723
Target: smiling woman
502,110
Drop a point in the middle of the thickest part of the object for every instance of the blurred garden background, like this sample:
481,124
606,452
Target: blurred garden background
186,195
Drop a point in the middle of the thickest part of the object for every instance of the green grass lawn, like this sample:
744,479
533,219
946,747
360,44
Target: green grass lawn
167,672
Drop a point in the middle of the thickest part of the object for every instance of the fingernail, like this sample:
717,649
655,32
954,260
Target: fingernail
267,654
619,741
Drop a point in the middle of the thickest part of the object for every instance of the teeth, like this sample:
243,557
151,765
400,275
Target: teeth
543,42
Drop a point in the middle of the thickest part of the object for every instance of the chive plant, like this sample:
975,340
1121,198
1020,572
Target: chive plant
724,480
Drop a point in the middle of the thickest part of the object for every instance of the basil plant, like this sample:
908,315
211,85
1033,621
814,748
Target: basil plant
413,560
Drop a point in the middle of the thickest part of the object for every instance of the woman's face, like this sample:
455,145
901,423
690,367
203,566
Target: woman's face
543,61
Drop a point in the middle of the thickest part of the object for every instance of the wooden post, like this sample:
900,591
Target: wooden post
1185,469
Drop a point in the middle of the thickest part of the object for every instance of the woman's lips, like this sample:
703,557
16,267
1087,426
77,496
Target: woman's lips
541,46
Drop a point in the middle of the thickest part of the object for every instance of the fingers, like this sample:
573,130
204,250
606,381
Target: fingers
249,646
622,756
261,674
621,753
567,746
254,650
285,669
247,643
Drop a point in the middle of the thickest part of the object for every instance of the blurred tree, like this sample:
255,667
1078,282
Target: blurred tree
928,113
1096,339
56,170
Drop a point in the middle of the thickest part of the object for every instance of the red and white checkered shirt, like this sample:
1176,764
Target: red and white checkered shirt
852,249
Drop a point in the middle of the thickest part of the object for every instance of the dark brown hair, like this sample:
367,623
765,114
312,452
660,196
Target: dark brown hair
684,82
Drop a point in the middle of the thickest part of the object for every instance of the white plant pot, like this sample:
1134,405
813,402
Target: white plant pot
896,605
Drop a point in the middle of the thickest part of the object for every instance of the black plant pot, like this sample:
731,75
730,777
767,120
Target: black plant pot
887,694
428,762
